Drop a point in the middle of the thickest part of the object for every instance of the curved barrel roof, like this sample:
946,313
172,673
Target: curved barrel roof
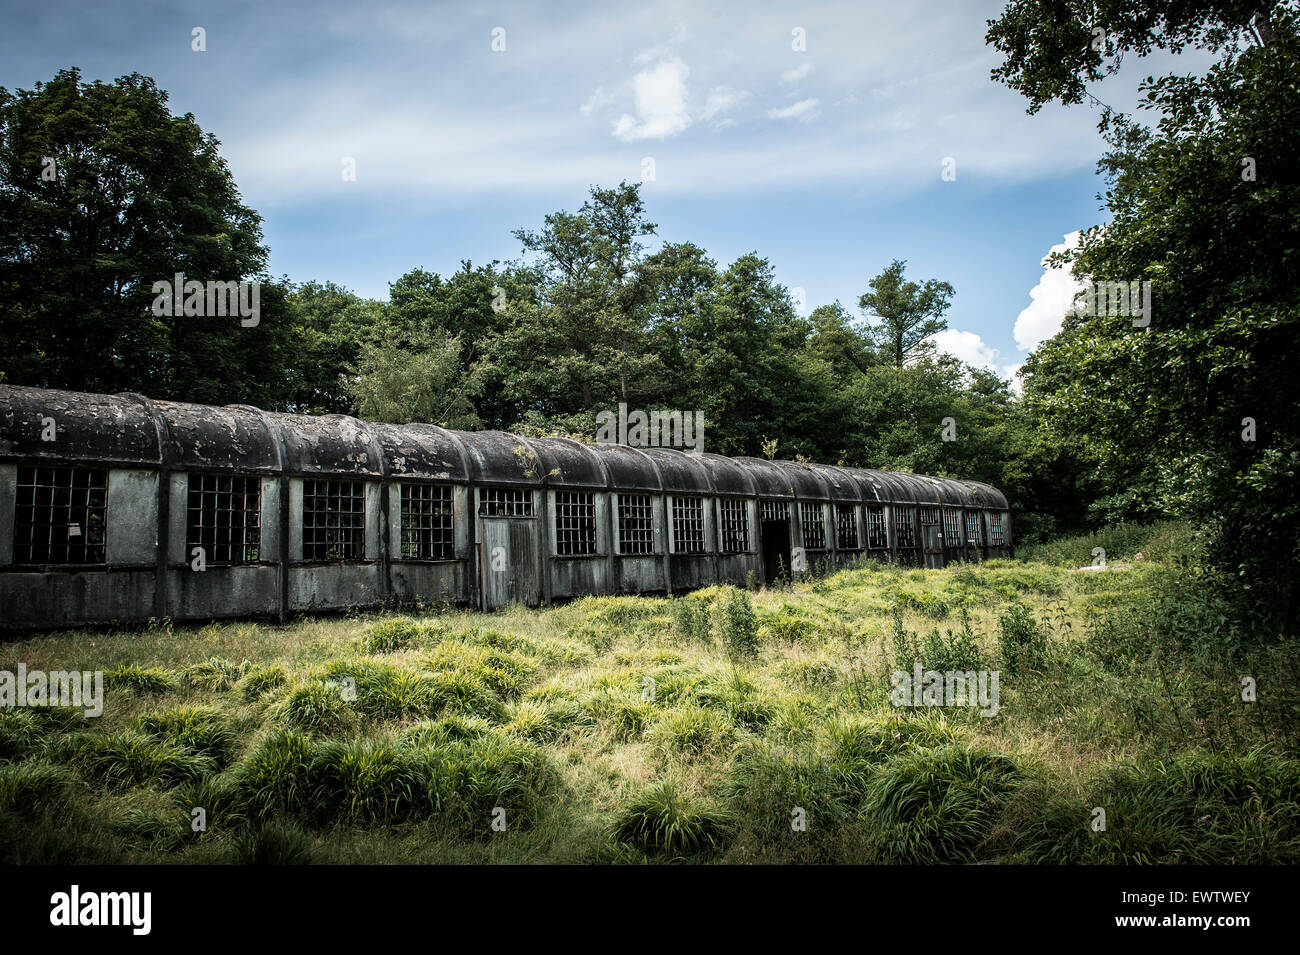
128,430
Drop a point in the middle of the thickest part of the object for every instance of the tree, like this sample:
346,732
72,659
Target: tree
104,192
422,381
1053,49
1191,415
908,314
580,344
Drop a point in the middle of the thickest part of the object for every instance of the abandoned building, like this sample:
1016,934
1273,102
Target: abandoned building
117,509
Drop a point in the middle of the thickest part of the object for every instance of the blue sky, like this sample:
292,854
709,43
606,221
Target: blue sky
827,160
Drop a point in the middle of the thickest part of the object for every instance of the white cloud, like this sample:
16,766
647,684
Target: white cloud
721,99
1051,298
597,99
660,93
798,73
804,111
969,347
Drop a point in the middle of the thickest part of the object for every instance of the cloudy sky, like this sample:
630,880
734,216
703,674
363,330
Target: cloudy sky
814,133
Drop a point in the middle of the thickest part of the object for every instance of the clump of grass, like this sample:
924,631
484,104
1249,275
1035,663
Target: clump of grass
274,843
200,730
938,805
274,777
261,680
29,787
692,732
372,782
542,722
449,728
396,633
215,673
20,734
626,717
814,674
133,758
132,676
663,818
317,706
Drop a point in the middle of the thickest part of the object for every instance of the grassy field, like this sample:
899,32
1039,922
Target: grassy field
724,726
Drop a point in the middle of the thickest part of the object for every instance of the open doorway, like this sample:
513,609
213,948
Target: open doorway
776,550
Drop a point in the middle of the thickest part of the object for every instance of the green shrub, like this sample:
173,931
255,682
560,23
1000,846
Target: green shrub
735,623
133,758
317,706
260,680
275,843
396,633
937,805
199,730
140,679
1022,642
215,673
692,731
20,734
31,787
663,818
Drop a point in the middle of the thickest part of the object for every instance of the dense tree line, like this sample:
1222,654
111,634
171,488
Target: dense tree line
103,192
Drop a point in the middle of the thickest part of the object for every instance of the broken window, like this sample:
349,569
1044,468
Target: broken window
997,530
903,527
846,527
428,531
952,527
688,525
775,510
973,528
636,528
224,517
333,520
60,515
496,502
734,525
813,519
877,533
575,523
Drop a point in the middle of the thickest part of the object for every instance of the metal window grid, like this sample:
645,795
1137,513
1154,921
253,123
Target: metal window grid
877,533
688,525
498,502
775,510
575,523
60,515
333,520
997,530
973,527
903,528
846,527
636,527
224,516
952,527
814,526
428,530
734,524
929,515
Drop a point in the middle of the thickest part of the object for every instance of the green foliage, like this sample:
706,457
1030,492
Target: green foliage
140,679
200,730
665,818
215,673
937,805
1022,642
260,680
134,758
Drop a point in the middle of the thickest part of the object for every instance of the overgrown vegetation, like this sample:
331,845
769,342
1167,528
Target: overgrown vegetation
720,726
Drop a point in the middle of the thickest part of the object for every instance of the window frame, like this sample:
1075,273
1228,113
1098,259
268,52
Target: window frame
727,536
639,522
97,487
210,550
442,527
696,504
581,524
359,529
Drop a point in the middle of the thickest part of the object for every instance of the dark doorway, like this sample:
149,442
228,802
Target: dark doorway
776,550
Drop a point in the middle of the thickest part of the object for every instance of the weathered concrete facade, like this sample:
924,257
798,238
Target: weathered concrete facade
119,509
